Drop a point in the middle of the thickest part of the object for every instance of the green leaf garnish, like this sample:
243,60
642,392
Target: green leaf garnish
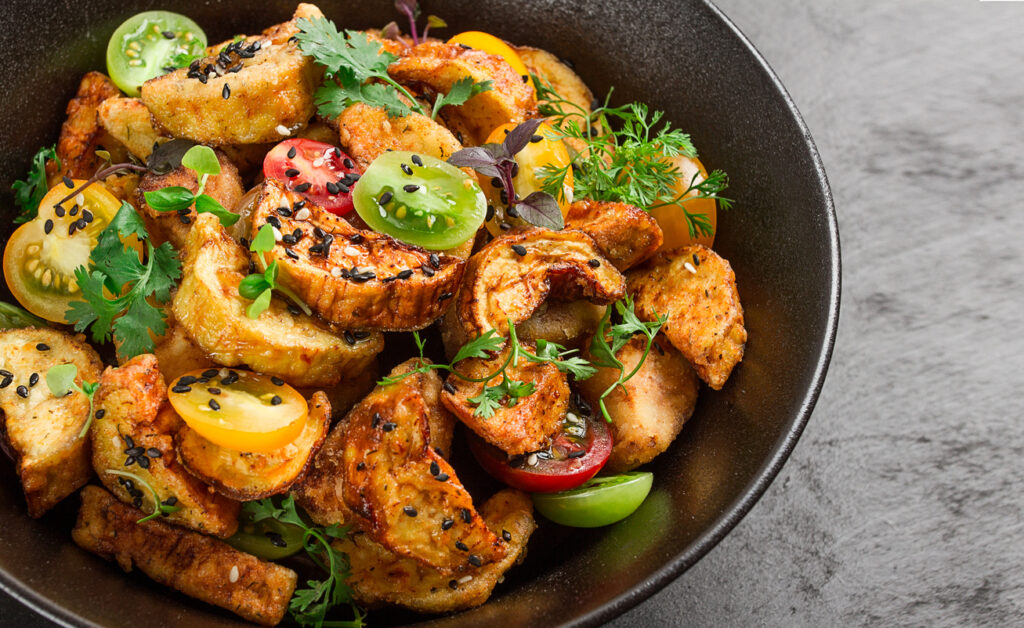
14,317
202,160
461,91
31,190
160,507
60,379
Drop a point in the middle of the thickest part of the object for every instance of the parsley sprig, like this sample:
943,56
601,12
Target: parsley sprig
203,161
115,268
260,286
60,379
309,606
160,507
31,190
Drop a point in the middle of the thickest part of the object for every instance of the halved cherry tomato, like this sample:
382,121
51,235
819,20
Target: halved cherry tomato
41,256
320,172
671,218
239,410
421,200
147,43
600,501
492,45
268,539
575,456
549,150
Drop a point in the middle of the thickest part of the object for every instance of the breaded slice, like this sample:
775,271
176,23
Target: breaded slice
558,76
696,288
625,234
129,122
136,435
381,578
368,132
81,134
197,565
297,348
38,431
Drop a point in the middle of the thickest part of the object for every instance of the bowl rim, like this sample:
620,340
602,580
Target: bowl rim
736,511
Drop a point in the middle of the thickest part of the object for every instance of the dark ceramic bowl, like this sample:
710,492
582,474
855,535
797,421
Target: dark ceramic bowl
681,56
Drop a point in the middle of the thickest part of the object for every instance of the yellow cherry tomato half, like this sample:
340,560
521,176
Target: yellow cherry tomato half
492,45
41,256
239,410
672,218
549,150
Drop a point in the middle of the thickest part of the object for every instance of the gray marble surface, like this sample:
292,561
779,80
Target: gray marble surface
902,502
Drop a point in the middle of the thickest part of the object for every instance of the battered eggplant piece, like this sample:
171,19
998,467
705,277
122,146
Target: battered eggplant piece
81,135
625,234
531,422
356,279
403,494
136,434
696,288
197,565
38,431
368,132
129,122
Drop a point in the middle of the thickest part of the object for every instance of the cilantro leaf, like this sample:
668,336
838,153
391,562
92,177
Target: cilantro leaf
461,91
480,347
33,188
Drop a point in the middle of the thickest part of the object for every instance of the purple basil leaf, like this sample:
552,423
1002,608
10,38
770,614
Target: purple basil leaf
519,137
167,156
408,7
484,159
541,209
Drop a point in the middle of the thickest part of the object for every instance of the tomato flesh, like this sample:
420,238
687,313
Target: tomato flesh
239,410
145,45
571,460
317,170
671,218
599,502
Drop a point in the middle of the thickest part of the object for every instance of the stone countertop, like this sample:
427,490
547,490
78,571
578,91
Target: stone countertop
901,504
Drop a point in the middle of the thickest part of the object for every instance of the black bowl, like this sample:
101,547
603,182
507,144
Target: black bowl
683,57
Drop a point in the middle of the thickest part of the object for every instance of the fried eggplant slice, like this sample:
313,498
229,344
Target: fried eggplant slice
356,279
211,103
173,227
129,122
696,289
525,426
38,431
320,493
568,323
511,276
648,410
380,578
250,476
558,76
625,234
136,434
434,67
296,348
368,132
198,566
81,135
402,492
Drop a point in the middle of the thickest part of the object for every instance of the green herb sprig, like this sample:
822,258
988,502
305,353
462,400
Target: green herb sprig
14,317
60,379
309,606
160,507
31,190
203,161
260,286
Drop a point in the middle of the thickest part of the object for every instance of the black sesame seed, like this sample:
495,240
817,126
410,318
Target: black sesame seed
361,335
385,198
441,477
435,468
519,249
536,138
526,78
167,34
71,228
87,216
303,187
594,263
226,92
135,451
406,169
292,152
348,163
208,373
214,405
475,560
343,187
504,226
293,310
405,274
143,462
188,380
288,239
275,400
101,413
505,535
275,539
292,254
202,380
512,212
81,224
459,545
389,426
416,160
466,515
48,226
6,382
577,453
292,172
447,524
490,213
409,510
6,373
68,182
448,388
59,211
376,420
445,296
360,466
277,381
129,461
452,584
202,78
33,379
128,440
297,205
22,392
696,260
435,261
427,270
185,220
213,391
495,182
153,452
332,187
410,188
170,501
349,338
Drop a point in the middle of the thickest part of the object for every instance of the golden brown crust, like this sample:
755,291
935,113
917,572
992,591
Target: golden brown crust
367,280
250,476
379,577
625,234
705,318
402,492
501,284
649,410
196,565
41,432
136,414
562,79
368,132
298,349
528,425
81,134
433,67
129,122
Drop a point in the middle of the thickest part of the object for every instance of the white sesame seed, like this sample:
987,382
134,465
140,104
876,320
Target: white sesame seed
350,250
501,579
532,460
302,214
282,130
688,266
465,579
233,576
319,161
336,272
277,234
572,418
383,214
80,200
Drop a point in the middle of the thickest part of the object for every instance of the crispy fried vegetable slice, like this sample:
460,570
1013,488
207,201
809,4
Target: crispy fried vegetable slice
128,121
251,476
511,276
357,279
368,132
294,347
320,491
434,67
402,492
528,425
197,565
558,75
273,89
625,234
696,288
136,434
177,353
380,578
225,187
40,432
648,410
81,135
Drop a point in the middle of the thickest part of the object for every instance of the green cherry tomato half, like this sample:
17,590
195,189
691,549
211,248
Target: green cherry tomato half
268,539
147,43
420,199
598,502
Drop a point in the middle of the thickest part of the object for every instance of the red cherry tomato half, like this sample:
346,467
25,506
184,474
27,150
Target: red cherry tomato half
561,468
320,172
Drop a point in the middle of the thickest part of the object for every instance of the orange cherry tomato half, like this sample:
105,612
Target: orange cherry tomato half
239,410
672,218
549,150
492,45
